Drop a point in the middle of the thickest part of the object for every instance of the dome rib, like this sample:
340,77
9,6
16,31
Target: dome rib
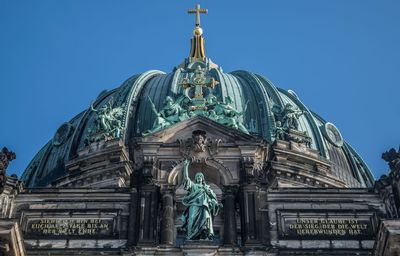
261,94
367,179
133,101
271,89
368,176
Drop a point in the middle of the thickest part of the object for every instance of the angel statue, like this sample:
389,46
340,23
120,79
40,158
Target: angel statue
202,205
229,116
108,122
288,116
171,113
103,116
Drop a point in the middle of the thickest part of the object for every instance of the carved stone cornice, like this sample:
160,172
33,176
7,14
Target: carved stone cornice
102,164
296,165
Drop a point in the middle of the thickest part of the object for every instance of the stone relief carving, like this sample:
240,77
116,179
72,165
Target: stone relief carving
199,148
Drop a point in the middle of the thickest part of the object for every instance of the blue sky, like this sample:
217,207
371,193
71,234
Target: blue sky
342,57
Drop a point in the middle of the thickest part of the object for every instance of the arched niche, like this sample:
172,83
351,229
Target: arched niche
216,176
214,172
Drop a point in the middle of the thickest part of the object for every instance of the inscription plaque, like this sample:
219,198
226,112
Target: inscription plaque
81,227
302,225
327,227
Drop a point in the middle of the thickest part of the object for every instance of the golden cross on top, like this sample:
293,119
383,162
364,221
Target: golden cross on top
198,11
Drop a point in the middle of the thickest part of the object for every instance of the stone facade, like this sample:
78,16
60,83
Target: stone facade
278,199
110,180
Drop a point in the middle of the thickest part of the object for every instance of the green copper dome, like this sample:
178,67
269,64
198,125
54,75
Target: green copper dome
133,99
152,101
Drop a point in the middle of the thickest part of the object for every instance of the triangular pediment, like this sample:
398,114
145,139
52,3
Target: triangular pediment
184,130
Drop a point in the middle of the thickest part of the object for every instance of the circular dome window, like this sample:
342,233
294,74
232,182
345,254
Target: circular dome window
62,134
332,134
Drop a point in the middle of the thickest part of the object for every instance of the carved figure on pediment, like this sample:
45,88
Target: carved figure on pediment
171,113
228,115
195,147
211,100
199,138
393,158
213,116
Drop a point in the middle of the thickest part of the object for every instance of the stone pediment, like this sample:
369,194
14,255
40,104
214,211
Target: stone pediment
184,130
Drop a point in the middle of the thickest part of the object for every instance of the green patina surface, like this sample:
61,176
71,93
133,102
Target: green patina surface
239,98
202,206
107,124
193,103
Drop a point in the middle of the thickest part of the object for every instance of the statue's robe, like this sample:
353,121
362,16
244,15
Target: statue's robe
202,205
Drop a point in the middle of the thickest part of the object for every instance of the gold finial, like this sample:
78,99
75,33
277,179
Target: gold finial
198,11
197,49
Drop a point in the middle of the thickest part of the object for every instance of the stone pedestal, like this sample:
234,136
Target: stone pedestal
103,164
199,247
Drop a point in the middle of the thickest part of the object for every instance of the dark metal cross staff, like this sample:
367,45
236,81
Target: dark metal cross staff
198,11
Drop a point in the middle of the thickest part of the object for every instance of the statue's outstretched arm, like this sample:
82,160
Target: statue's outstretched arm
186,169
187,183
